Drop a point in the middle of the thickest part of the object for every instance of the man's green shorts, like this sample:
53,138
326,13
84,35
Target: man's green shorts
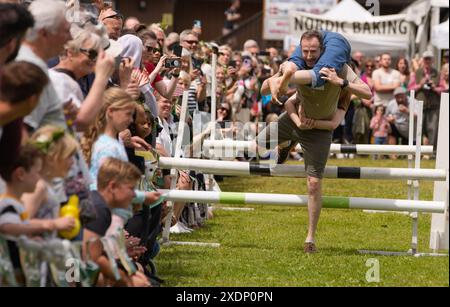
315,143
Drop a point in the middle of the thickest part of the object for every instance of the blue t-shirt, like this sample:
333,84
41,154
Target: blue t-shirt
106,147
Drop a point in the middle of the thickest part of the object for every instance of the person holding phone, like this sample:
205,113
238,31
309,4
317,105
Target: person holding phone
156,81
197,28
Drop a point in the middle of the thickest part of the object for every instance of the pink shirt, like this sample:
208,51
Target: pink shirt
379,127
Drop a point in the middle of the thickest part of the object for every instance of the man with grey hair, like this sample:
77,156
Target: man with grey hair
252,47
42,42
189,41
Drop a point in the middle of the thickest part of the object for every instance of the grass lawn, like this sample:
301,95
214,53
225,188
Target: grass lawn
264,247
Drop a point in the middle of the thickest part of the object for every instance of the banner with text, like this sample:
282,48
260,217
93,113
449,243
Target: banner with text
276,14
382,33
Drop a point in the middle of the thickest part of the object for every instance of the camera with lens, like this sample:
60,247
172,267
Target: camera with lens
172,63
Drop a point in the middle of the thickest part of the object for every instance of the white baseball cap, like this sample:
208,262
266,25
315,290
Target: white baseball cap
428,54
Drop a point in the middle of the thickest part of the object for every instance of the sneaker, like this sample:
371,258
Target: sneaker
178,229
283,153
310,248
185,228
175,229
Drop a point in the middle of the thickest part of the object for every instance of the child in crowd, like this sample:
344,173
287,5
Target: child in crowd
102,140
58,149
115,190
21,176
145,223
380,126
21,84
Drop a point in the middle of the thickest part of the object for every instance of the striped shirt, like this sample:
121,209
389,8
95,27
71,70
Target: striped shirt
192,97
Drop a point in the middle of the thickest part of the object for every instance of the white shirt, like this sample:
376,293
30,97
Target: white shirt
49,110
66,87
164,138
385,78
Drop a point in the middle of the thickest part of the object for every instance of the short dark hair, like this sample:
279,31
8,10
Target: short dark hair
27,157
15,19
144,35
21,80
311,34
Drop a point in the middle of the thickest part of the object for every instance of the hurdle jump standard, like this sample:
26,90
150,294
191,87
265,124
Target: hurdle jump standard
438,206
439,237
174,180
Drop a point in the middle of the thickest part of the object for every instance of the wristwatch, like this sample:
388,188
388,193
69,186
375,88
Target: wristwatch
344,84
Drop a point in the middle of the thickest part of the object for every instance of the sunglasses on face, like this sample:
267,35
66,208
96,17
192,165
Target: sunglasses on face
153,49
92,54
192,42
224,109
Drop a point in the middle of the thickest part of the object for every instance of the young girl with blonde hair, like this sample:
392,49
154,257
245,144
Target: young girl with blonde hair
102,139
58,149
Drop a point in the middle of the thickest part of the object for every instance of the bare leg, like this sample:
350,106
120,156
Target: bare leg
314,206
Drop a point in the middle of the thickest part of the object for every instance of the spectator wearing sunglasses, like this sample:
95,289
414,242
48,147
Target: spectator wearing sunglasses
83,56
152,51
189,41
157,53
113,22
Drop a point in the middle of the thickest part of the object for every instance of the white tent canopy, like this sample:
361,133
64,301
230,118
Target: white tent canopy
348,10
365,32
439,36
439,3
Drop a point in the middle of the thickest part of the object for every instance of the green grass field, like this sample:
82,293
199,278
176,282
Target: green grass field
264,247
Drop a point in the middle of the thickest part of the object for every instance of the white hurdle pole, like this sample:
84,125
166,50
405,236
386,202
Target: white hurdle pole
415,215
302,201
174,180
211,180
173,171
231,168
412,108
361,149
439,238
214,94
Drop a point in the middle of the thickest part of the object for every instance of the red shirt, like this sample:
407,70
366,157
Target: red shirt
150,67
